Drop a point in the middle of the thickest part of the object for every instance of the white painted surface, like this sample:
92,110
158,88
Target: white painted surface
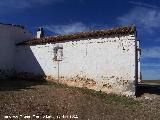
39,34
139,61
9,36
108,61
106,64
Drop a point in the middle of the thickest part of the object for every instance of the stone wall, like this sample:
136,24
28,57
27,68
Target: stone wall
106,64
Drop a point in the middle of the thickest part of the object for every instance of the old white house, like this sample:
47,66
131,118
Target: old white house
106,60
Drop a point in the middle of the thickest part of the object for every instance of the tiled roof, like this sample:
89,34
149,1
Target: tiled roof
93,34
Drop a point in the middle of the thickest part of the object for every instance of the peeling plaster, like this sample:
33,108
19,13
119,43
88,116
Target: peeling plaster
97,63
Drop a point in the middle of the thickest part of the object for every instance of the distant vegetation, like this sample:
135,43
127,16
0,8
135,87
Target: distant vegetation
151,81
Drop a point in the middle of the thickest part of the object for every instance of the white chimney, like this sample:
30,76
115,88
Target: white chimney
40,32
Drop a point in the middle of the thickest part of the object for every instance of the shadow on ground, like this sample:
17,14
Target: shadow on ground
32,72
17,85
148,88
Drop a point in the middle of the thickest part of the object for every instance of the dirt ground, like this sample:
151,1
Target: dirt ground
21,100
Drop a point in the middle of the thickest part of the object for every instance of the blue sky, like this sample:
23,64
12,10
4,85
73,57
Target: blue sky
69,16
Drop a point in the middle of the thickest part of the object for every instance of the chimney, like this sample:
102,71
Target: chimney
40,32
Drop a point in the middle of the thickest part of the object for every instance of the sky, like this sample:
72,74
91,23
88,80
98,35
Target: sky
70,16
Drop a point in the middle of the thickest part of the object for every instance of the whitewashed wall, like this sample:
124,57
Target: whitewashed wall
9,35
139,61
106,64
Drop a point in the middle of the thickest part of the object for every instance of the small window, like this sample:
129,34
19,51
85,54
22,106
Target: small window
58,53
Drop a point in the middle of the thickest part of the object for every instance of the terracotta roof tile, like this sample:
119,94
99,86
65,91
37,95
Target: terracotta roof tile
93,34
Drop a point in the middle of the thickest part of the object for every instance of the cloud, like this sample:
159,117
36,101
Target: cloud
150,65
143,4
150,71
67,29
151,74
153,52
157,40
146,19
13,5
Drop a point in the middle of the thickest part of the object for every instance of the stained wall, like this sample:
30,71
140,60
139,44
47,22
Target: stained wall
106,64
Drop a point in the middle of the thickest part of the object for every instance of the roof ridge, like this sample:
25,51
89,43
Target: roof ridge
91,34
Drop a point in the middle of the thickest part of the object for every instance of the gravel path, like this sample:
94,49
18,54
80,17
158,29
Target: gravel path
39,101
